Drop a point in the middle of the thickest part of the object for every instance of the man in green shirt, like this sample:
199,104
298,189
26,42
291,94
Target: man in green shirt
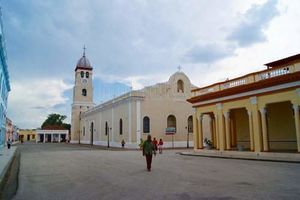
148,151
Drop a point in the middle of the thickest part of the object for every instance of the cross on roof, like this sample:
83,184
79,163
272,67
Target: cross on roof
179,68
84,50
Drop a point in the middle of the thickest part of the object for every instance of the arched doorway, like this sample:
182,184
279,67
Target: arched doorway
189,130
281,131
239,128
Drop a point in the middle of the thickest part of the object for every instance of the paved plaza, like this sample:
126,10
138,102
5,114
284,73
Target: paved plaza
63,171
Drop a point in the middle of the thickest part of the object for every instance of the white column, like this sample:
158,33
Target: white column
200,129
59,138
195,130
251,131
52,137
216,130
138,121
297,125
44,138
263,113
129,121
67,135
227,129
36,138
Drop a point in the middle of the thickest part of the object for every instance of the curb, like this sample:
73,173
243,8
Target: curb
240,158
9,177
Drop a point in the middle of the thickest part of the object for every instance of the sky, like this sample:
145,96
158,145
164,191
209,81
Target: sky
134,44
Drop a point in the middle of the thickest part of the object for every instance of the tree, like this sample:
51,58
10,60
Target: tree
55,120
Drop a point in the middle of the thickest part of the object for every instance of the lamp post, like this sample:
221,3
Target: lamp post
187,139
108,136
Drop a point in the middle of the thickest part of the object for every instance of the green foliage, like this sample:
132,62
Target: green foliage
56,120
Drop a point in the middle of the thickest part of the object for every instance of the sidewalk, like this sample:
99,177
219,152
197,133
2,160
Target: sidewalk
262,156
6,164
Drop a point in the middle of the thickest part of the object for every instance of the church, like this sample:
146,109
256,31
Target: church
160,110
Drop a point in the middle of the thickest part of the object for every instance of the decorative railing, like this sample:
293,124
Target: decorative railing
247,79
274,73
234,83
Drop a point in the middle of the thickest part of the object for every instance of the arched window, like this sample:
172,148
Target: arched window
121,126
171,122
146,124
180,86
190,124
106,128
87,74
82,74
83,92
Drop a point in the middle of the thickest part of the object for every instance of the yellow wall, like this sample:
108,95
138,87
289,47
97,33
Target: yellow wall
281,126
241,127
24,134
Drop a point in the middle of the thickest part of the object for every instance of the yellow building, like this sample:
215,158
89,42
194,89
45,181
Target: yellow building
256,112
132,116
27,135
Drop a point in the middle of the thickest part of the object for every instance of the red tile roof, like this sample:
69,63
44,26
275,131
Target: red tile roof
284,61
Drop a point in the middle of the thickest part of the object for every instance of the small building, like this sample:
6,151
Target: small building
52,134
27,135
256,112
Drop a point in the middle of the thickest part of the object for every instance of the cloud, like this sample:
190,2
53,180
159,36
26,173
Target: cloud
136,43
208,53
31,101
251,28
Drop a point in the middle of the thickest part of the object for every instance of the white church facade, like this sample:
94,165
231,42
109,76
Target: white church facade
134,115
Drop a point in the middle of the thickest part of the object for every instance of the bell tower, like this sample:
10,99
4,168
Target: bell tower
82,95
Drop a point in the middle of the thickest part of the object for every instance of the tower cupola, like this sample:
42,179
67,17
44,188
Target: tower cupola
83,62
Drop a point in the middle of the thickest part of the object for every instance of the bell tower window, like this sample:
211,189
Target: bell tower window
82,74
83,92
180,86
87,74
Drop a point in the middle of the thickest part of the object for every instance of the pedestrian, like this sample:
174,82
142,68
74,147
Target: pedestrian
123,143
160,145
8,143
148,151
155,143
141,143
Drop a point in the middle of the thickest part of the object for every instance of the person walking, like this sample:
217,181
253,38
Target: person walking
8,143
160,145
148,151
123,143
155,143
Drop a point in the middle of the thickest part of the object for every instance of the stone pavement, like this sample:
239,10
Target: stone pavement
62,171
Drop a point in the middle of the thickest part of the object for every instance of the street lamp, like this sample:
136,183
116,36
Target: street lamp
108,136
188,139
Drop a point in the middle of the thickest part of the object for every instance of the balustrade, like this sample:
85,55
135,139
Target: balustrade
248,79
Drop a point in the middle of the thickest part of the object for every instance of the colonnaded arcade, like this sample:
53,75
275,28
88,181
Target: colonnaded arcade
256,112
